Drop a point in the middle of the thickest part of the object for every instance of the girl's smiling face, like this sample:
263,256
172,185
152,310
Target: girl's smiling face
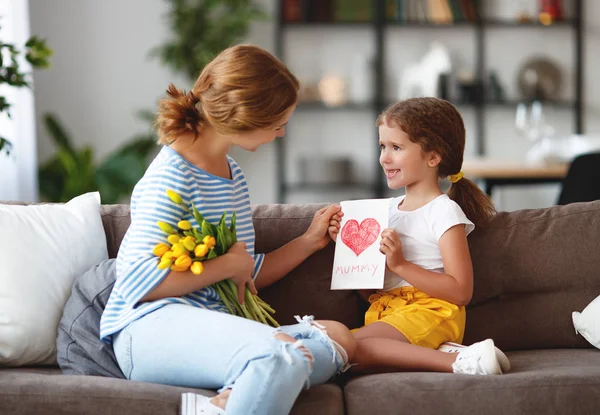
404,162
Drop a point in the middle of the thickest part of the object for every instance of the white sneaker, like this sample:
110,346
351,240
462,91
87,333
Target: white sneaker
450,347
478,359
195,404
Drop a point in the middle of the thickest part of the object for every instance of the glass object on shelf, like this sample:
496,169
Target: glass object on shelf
529,121
531,124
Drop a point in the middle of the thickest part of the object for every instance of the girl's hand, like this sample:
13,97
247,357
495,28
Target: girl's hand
316,236
334,225
391,246
243,267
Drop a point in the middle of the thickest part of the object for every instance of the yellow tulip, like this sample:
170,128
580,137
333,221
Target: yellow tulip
173,239
184,225
165,227
161,249
179,250
168,256
178,269
201,250
183,261
174,196
197,268
190,243
164,264
209,241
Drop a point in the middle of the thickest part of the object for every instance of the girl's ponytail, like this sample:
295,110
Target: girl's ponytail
476,205
178,114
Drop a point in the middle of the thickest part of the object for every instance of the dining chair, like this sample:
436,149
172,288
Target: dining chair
582,182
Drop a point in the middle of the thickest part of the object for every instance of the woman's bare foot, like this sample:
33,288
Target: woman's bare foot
220,400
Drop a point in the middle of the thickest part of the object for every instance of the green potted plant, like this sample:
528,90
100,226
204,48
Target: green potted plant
72,171
37,54
203,28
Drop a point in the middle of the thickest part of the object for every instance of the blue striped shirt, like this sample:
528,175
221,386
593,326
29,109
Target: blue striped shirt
137,272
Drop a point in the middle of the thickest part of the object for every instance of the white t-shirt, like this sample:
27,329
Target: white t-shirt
420,231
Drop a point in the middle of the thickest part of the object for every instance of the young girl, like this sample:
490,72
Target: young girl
171,327
429,276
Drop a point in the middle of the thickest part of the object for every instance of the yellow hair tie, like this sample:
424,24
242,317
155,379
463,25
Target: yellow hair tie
456,177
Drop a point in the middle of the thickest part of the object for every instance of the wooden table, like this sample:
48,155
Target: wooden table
493,172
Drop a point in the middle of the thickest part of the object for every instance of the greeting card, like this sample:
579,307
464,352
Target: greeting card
357,262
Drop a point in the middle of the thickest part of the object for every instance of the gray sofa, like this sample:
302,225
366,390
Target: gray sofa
533,268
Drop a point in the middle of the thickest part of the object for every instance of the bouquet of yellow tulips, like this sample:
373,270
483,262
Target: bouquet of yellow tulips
188,247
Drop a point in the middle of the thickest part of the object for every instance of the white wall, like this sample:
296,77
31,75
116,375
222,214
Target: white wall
18,178
102,75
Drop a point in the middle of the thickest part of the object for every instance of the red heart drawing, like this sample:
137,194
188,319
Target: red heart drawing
358,238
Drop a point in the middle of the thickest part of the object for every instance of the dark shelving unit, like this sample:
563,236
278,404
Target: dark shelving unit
379,23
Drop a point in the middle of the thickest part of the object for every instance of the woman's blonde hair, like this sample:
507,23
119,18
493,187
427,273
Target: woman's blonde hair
244,88
436,125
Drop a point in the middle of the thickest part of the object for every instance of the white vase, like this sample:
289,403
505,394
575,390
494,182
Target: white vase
361,80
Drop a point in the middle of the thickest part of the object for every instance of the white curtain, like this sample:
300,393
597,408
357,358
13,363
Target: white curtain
18,172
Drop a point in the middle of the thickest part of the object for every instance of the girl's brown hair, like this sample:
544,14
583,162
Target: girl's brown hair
244,88
437,126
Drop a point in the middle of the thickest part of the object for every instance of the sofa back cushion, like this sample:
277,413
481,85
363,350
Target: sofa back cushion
116,220
533,268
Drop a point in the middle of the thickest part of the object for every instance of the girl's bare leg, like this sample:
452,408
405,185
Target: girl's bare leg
380,347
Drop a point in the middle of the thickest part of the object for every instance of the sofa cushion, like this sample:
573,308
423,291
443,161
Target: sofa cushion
79,348
33,391
540,382
43,249
533,268
587,323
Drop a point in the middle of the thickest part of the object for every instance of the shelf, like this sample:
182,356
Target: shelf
533,24
312,25
385,29
514,102
320,106
329,187
494,23
428,25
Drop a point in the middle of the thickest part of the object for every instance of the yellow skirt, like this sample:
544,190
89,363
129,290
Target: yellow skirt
423,320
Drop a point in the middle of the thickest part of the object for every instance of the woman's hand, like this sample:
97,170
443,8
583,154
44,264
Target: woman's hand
316,236
391,246
242,268
334,225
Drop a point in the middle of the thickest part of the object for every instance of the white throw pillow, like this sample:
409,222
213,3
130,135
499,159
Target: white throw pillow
43,249
587,323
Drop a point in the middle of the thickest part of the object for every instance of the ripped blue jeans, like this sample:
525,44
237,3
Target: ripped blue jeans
188,346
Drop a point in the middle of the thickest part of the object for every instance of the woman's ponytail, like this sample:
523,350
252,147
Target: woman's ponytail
178,114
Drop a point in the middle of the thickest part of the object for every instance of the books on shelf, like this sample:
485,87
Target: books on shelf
357,11
431,11
327,11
